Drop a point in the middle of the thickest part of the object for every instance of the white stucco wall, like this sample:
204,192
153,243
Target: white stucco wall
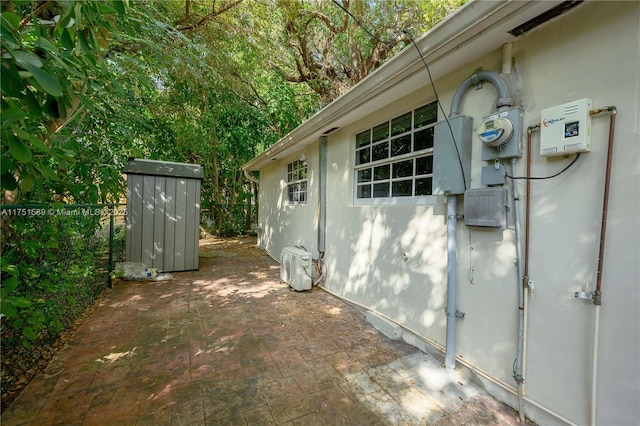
280,223
392,258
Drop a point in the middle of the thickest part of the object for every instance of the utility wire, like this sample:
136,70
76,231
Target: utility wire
433,86
364,27
444,114
546,177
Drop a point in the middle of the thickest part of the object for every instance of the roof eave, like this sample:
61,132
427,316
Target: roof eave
473,19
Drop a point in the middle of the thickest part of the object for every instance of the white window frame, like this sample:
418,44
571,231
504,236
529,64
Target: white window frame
297,185
368,161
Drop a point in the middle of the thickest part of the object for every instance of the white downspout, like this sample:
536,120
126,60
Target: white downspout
251,178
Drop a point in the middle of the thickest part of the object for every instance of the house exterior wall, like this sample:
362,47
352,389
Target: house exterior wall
391,258
280,223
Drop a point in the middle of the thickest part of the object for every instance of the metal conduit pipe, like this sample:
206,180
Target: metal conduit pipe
450,353
518,374
605,202
504,100
526,282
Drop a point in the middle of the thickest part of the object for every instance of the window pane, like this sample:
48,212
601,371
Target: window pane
401,124
380,190
423,186
381,132
289,167
380,151
426,115
423,139
424,165
401,145
401,188
381,172
403,169
364,191
290,193
363,138
302,174
364,175
363,156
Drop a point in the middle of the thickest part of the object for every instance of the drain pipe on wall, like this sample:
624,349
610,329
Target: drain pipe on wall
247,174
322,206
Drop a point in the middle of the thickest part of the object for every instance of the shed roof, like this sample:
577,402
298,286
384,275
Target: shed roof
139,166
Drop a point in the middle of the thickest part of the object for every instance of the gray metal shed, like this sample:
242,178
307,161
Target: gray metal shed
163,214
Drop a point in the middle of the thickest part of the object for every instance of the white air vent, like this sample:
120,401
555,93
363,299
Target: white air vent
295,268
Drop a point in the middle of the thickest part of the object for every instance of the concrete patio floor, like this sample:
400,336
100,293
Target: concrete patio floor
231,344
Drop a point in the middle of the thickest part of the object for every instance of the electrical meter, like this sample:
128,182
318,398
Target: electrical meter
501,135
495,131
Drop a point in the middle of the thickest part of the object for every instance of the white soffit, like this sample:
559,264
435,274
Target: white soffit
473,31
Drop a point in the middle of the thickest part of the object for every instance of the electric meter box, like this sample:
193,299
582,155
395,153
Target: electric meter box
452,155
501,135
566,129
486,207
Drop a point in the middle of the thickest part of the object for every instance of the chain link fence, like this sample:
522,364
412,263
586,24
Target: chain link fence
55,261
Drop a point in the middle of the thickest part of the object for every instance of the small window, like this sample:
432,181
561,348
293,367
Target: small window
297,182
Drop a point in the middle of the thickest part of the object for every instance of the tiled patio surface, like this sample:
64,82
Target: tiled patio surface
231,344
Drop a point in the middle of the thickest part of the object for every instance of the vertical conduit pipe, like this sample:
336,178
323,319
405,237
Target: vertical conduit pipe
517,371
525,276
504,100
450,353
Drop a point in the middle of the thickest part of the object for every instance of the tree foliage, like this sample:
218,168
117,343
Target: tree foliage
86,84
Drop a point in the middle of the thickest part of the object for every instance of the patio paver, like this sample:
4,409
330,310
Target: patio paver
231,344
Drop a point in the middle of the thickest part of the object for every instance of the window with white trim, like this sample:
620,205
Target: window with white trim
297,182
395,158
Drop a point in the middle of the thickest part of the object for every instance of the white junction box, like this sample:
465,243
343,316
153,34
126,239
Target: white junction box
566,129
295,268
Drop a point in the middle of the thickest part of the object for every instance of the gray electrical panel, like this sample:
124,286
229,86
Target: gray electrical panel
451,164
493,175
486,207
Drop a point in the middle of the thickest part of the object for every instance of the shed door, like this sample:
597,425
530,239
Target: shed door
163,222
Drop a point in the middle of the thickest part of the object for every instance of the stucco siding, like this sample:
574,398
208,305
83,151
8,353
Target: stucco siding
280,223
391,257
